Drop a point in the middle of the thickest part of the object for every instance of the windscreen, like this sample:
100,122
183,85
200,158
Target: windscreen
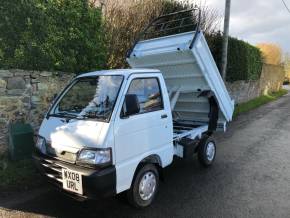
90,97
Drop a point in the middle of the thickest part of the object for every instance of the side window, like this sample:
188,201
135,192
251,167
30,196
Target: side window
148,94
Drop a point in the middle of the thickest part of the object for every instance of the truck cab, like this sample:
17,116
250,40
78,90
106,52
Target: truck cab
106,122
113,131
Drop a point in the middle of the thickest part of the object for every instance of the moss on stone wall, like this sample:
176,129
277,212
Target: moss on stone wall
25,97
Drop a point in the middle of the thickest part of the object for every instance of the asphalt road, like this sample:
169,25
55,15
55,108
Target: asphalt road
250,178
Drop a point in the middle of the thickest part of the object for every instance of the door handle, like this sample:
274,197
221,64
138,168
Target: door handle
163,116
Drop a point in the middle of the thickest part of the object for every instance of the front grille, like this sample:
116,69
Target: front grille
64,155
52,170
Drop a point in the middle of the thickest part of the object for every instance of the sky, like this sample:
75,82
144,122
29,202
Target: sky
258,21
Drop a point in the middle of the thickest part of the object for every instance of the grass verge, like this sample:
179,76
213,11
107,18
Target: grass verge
17,175
257,102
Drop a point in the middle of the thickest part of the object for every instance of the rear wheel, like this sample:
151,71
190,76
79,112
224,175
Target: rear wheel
144,186
207,151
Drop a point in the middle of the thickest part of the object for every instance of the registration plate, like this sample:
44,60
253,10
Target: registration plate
72,181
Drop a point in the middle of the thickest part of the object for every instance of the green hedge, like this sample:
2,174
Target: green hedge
64,35
244,60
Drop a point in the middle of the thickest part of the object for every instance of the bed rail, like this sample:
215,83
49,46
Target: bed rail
171,24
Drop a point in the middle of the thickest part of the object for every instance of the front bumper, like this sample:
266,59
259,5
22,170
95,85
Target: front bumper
97,183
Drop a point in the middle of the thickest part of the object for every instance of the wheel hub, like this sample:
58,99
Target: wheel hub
210,151
147,186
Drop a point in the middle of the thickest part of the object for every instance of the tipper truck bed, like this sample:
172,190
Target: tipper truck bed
189,70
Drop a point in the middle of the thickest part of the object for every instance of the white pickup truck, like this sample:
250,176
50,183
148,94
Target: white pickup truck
113,131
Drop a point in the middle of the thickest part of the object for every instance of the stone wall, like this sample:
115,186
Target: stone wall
242,91
287,75
271,80
25,96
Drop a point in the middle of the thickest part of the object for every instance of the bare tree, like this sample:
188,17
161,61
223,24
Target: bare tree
125,19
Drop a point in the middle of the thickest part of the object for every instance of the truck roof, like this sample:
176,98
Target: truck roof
125,72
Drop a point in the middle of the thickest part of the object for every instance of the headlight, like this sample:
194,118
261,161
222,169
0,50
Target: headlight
40,145
95,157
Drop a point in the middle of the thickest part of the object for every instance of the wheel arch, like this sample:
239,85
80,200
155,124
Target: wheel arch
151,159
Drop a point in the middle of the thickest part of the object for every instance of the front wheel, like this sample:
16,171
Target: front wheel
207,151
144,186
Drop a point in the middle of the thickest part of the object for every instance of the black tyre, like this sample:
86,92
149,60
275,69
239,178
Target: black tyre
207,151
144,187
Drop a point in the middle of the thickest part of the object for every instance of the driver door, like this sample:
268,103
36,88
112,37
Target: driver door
144,133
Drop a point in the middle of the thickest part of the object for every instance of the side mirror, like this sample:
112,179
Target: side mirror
132,104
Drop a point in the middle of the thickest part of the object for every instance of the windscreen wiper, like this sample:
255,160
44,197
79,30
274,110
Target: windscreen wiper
63,114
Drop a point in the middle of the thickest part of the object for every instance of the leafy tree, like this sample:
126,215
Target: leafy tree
272,53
